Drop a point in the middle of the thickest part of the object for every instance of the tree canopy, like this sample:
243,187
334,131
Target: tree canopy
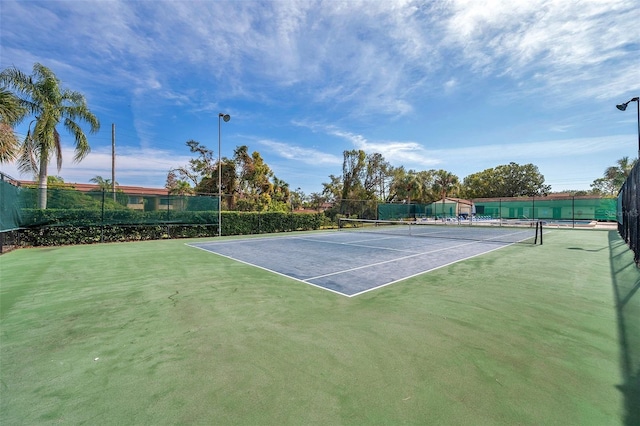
11,113
247,182
613,177
42,96
509,180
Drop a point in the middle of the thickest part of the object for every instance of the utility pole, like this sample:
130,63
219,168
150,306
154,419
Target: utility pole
113,160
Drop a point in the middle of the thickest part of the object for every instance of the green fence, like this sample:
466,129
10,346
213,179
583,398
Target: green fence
570,208
545,208
629,212
70,207
402,211
76,217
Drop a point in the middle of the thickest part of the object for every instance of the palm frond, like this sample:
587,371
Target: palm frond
28,158
57,148
9,144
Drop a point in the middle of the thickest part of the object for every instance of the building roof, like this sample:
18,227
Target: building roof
455,200
88,187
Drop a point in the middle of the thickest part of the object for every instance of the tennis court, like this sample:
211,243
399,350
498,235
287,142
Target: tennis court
157,332
371,255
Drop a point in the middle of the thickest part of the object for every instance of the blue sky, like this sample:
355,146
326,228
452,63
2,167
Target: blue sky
459,85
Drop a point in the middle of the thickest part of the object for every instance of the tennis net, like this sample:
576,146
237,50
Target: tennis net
524,232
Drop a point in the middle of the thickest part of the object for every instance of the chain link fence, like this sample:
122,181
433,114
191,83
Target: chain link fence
628,206
95,208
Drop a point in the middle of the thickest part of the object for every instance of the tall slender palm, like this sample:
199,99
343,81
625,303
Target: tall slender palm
11,113
44,98
445,182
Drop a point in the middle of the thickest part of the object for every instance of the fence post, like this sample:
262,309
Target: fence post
102,219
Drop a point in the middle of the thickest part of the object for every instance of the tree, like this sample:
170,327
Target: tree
378,172
445,183
354,167
332,191
510,180
245,180
281,192
317,200
177,186
11,113
254,185
411,186
203,166
614,177
298,197
43,97
103,184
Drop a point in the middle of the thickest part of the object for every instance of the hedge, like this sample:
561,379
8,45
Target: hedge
68,227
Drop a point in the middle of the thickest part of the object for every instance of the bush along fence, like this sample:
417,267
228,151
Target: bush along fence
83,231
76,217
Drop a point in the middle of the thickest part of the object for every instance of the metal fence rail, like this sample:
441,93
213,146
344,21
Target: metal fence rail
628,212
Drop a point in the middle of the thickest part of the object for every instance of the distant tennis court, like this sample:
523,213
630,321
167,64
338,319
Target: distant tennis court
372,254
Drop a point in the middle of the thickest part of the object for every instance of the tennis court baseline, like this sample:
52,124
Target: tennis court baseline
349,263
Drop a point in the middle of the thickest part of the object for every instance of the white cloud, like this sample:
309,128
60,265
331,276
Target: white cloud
351,63
370,56
549,44
142,166
301,154
410,154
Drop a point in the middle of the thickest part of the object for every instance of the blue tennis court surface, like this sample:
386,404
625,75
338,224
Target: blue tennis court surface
348,263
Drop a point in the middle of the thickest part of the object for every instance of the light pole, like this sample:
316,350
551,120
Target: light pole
225,117
623,107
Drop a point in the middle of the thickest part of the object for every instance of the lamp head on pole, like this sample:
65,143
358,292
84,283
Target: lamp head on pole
225,117
623,106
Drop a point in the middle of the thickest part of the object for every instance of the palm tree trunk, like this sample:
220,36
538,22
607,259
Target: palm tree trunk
42,183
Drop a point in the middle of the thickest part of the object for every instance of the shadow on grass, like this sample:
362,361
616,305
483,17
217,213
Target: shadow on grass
626,289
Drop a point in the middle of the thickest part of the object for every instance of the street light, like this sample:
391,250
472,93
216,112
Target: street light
225,117
623,107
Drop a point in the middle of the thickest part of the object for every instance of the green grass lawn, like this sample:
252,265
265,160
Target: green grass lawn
158,332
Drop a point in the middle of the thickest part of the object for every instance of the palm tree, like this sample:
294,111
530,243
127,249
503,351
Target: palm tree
618,174
444,183
42,96
104,184
11,113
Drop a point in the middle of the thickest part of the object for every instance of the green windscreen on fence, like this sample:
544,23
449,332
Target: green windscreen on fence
573,208
70,207
402,211
11,209
566,208
442,210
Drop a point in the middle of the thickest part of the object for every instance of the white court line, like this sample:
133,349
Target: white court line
388,261
503,245
420,273
269,270
359,245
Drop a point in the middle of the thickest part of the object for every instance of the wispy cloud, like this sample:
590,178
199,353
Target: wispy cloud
397,153
301,154
370,56
147,166
164,68
549,44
